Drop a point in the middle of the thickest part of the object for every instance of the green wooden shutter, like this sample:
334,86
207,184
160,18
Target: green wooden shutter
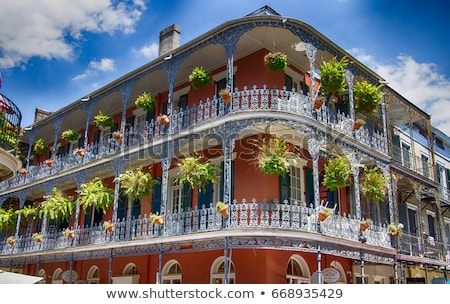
397,153
156,196
186,197
122,208
403,215
205,197
285,187
309,181
136,209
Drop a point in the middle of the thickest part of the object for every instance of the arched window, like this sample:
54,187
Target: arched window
297,270
218,271
57,276
42,274
93,275
171,273
130,269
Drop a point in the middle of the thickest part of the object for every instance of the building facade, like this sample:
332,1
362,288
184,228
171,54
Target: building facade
272,233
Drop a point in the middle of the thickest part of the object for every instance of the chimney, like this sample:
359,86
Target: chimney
169,39
40,114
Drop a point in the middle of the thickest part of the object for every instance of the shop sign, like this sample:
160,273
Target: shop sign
331,275
66,276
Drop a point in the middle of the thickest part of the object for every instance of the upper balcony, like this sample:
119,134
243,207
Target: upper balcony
10,118
261,104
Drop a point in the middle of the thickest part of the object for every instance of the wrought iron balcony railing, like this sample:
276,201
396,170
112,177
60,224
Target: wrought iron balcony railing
245,101
426,246
10,119
242,216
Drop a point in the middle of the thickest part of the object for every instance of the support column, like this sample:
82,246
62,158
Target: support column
311,54
355,164
361,258
227,149
349,78
314,151
125,90
57,125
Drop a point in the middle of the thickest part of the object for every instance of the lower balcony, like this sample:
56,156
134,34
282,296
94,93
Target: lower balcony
246,216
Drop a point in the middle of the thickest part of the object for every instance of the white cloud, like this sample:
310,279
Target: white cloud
420,83
49,29
104,65
149,51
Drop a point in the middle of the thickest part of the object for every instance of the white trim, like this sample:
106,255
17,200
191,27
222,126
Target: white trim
429,212
411,206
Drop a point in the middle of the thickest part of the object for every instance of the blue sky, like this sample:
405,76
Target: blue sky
53,52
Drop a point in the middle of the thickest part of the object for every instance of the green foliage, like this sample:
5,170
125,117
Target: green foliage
57,206
103,120
146,102
199,77
275,61
195,171
70,135
95,194
220,206
135,183
332,75
7,219
367,97
40,147
273,158
374,184
28,212
337,173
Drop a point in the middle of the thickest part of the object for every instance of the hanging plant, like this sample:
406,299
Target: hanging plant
103,120
196,171
367,97
146,102
374,184
40,147
275,61
273,157
336,173
57,206
94,194
7,219
199,77
70,135
28,212
135,183
332,76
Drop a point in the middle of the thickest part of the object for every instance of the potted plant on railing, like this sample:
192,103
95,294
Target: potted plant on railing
222,208
367,97
274,157
146,102
199,77
49,162
163,119
11,241
118,136
69,233
103,120
373,185
197,172
396,230
70,135
23,172
80,152
108,226
226,95
358,123
365,224
37,237
336,173
275,61
40,147
332,76
156,219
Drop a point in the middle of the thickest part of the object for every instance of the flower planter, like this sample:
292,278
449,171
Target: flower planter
363,226
164,119
49,163
23,172
80,152
318,104
110,228
224,211
322,215
226,95
159,221
356,125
